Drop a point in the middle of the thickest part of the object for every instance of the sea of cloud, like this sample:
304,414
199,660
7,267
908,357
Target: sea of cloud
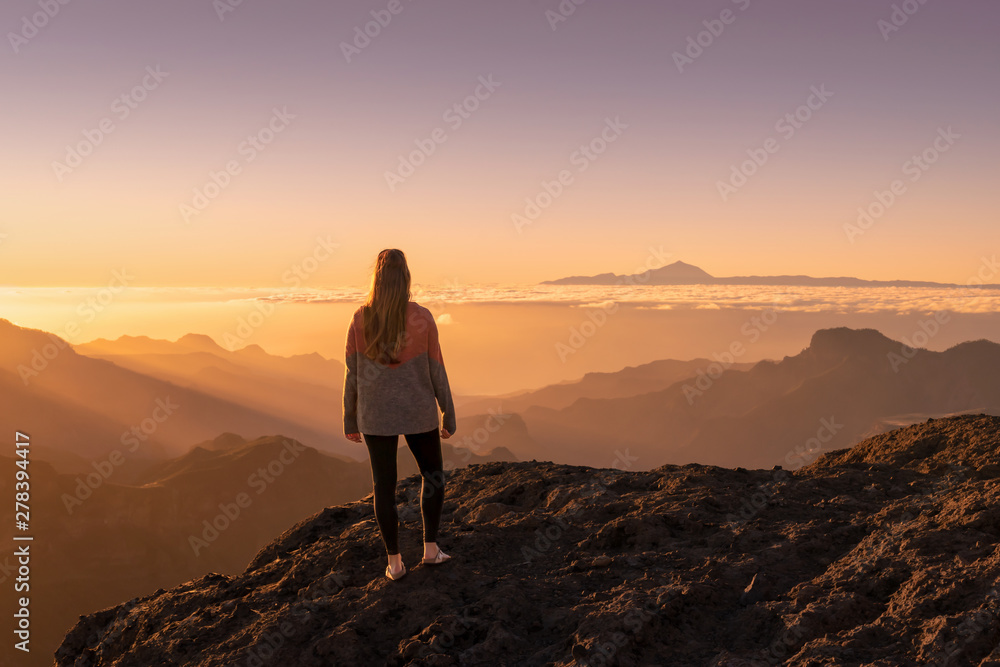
899,300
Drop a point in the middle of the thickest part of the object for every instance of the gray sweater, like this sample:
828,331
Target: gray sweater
397,398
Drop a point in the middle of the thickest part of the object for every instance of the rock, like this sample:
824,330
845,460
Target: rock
755,590
830,575
488,512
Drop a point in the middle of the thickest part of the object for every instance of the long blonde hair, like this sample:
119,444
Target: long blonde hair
385,309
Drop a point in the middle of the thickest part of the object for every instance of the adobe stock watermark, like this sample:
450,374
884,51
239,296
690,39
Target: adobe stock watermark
624,459
269,641
248,150
364,34
899,17
32,24
751,330
634,620
714,29
790,637
928,329
108,635
7,570
121,108
474,443
455,116
809,451
106,467
597,317
223,7
563,11
581,159
259,480
786,126
263,308
464,448
546,538
975,624
556,526
438,305
796,457
914,168
303,269
580,334
87,310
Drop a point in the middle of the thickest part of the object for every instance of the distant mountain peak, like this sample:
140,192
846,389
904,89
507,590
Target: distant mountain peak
681,273
125,338
200,342
837,344
678,272
849,340
224,441
681,270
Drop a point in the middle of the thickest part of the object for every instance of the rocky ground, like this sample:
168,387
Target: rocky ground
885,554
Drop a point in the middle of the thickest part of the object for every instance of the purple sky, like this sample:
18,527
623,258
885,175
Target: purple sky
658,184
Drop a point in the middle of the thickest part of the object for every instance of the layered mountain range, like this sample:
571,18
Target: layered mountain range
150,399
884,554
847,384
680,273
114,532
126,503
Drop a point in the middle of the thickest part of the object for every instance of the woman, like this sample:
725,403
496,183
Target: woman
395,373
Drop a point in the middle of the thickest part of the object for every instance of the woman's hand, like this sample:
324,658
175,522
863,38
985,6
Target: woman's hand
353,437
444,434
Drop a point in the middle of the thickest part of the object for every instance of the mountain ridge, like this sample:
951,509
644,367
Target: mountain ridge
107,401
680,273
762,416
112,534
857,558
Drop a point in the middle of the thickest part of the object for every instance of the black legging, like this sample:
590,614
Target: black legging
426,449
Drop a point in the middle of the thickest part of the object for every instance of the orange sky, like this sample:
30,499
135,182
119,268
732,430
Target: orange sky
341,126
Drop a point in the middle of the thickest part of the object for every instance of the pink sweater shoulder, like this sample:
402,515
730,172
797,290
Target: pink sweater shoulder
421,334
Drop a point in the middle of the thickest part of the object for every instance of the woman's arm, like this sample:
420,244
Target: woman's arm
439,377
351,385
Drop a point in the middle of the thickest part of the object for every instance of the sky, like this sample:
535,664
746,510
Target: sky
264,144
